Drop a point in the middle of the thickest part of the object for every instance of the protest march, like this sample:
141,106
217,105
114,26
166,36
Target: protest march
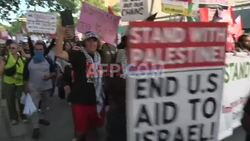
125,70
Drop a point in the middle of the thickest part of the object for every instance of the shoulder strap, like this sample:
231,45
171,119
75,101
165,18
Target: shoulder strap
51,64
26,69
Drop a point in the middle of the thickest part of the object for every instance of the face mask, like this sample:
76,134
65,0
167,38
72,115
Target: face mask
39,56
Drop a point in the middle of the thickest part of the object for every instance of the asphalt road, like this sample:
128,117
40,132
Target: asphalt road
239,135
61,128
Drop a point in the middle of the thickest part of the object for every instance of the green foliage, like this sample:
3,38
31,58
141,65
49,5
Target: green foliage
13,6
116,8
16,27
98,3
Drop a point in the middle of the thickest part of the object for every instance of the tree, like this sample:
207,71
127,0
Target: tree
13,6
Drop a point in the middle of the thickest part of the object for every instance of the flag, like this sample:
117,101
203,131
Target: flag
204,15
238,27
152,17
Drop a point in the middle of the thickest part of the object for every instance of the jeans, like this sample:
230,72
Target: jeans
40,100
116,126
13,94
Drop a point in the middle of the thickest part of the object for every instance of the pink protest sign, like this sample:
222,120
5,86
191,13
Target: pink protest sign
98,21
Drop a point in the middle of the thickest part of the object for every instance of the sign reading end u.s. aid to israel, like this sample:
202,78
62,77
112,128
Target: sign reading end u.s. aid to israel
174,81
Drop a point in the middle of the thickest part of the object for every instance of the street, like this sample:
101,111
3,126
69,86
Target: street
239,135
61,128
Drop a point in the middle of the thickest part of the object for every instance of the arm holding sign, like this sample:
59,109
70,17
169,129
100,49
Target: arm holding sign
52,44
30,43
60,53
31,46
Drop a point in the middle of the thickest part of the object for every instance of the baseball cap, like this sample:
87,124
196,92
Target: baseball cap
90,34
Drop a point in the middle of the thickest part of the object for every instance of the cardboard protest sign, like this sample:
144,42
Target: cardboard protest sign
214,2
133,10
67,18
183,101
182,7
39,22
98,21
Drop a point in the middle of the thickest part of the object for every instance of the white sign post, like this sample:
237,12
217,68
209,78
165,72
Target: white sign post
183,102
133,10
38,22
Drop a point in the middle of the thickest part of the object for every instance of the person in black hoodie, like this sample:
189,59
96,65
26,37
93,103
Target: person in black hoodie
86,97
115,88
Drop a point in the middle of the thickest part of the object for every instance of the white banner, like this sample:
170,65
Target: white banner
38,22
215,2
183,103
236,92
133,10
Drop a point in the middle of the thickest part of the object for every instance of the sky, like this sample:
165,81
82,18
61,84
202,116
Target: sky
23,10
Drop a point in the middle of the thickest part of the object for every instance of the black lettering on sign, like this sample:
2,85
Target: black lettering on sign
212,130
192,131
171,86
143,116
138,4
141,89
132,11
137,136
213,83
156,85
148,136
178,135
226,75
202,138
168,114
194,82
194,107
157,113
163,135
206,112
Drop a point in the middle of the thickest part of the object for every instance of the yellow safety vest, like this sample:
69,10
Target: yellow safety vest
17,79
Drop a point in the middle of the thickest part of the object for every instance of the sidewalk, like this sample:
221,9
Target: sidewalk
61,128
5,133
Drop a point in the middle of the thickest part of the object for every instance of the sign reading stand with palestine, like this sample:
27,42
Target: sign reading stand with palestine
39,22
175,81
133,10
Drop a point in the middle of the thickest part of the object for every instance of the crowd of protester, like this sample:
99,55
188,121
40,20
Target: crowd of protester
97,102
35,68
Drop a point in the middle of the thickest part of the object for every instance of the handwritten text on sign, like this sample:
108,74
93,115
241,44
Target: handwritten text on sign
38,22
133,10
99,21
183,103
